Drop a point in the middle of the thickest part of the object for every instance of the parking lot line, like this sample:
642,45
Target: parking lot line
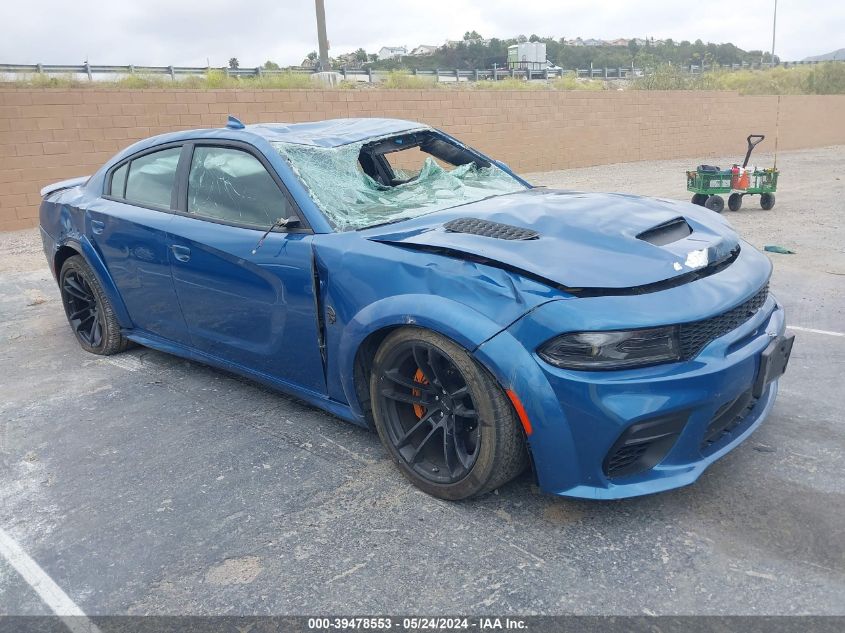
52,595
814,331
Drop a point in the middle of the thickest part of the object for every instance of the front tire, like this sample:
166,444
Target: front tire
88,310
699,199
444,420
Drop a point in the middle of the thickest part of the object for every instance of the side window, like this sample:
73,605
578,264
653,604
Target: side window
118,181
232,185
151,178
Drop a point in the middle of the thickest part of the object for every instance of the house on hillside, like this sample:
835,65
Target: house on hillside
472,40
593,42
392,52
576,42
618,42
424,50
349,61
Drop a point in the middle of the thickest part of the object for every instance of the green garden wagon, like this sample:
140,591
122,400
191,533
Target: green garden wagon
707,183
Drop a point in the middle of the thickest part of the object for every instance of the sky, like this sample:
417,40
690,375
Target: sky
200,32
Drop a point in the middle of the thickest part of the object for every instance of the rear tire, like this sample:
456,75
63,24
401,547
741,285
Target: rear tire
715,203
88,310
699,199
767,201
444,420
735,201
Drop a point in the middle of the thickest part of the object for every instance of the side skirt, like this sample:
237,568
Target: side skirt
313,398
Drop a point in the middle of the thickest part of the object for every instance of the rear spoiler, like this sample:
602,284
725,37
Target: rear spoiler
64,184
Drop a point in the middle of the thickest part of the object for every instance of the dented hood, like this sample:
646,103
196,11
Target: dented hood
586,241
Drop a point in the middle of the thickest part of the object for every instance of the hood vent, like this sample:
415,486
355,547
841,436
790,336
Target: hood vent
666,233
486,228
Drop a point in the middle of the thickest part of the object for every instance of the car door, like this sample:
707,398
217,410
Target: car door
246,303
127,226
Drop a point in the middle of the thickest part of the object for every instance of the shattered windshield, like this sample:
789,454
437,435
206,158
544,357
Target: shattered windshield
375,182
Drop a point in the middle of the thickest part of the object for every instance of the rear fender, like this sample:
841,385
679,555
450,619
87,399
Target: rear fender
83,246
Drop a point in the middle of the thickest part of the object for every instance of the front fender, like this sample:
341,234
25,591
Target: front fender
456,321
551,443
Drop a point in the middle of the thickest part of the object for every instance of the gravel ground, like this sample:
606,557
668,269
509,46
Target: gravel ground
145,484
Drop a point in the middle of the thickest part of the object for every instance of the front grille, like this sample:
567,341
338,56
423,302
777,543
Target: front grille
694,336
727,419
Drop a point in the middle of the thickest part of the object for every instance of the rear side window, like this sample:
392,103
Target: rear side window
151,178
233,186
118,181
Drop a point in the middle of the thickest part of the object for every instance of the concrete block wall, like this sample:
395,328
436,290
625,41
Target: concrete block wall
48,135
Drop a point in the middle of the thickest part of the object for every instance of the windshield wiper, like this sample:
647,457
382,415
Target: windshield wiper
280,223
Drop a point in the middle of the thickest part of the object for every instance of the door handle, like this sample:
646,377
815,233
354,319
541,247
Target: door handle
181,253
97,226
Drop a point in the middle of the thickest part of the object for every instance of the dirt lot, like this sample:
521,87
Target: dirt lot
143,483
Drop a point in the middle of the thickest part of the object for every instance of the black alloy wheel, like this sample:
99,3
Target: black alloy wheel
83,313
88,309
431,418
442,417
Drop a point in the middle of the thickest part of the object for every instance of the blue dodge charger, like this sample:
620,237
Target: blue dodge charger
389,274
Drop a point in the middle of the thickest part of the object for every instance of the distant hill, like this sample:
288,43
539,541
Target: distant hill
840,54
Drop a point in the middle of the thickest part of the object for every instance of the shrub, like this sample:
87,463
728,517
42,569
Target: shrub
510,83
664,77
571,82
402,80
827,79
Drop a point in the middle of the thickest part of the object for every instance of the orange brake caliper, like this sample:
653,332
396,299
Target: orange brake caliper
419,377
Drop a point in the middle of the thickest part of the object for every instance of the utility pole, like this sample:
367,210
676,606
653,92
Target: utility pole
774,26
322,40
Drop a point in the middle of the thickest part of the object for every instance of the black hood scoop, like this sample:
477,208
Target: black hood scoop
487,228
666,233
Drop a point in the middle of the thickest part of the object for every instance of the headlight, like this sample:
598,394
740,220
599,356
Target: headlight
612,350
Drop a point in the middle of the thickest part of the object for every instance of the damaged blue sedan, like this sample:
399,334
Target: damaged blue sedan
391,275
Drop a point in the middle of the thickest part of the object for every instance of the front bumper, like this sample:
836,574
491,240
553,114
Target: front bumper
579,417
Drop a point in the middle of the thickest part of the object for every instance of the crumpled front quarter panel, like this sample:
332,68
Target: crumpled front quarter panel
370,286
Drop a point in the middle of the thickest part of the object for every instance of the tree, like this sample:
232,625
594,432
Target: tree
268,65
521,39
312,55
472,35
361,55
633,47
234,64
534,38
